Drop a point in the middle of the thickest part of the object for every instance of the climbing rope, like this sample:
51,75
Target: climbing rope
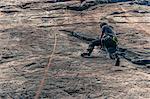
42,82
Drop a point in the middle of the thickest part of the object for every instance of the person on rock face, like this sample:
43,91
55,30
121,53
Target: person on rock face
107,41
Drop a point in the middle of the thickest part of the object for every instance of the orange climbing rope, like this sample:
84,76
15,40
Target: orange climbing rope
42,82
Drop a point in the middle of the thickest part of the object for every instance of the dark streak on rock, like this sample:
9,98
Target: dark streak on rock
89,4
2,6
126,54
9,11
52,1
27,5
74,91
28,65
143,2
114,13
139,11
79,35
7,57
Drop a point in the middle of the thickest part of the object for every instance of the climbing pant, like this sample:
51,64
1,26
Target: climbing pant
94,43
106,42
110,45
109,42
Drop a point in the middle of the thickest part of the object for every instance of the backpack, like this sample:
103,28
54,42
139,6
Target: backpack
110,41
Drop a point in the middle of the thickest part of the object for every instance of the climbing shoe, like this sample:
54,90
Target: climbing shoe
85,54
117,62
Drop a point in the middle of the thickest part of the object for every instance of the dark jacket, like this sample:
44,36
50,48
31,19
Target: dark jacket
107,30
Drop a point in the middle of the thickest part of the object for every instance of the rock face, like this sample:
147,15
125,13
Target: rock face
29,30
143,2
111,1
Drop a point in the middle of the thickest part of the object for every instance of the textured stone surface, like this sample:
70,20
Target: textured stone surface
27,29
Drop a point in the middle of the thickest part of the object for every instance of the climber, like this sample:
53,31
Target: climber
107,41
